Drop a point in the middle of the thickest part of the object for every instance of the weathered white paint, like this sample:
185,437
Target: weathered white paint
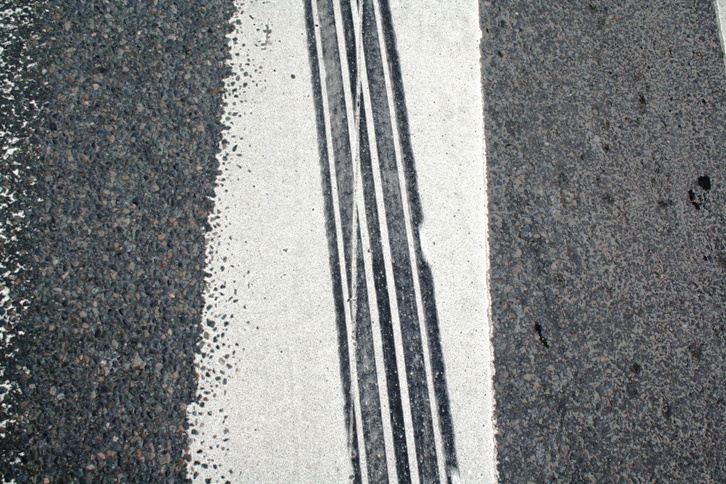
721,18
282,406
281,409
438,45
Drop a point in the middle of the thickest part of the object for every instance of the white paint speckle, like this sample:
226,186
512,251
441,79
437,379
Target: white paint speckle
13,69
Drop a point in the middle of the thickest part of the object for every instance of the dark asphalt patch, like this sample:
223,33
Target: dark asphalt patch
605,128
121,168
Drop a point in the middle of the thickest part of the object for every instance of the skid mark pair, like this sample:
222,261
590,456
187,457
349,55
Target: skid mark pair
392,369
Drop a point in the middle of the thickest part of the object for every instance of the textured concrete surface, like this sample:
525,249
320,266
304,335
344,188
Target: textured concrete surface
605,130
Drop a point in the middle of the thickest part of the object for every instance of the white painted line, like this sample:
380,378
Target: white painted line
361,220
280,415
385,238
720,6
392,100
350,309
378,346
272,400
438,45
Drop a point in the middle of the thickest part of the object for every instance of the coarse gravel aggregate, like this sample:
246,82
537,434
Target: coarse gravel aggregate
606,140
18,107
119,170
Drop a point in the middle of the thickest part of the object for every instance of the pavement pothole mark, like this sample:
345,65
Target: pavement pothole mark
704,182
542,339
699,198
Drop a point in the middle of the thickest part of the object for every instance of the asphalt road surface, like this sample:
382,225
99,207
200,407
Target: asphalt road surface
372,241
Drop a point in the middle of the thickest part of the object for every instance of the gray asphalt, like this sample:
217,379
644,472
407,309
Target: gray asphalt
605,132
122,155
606,137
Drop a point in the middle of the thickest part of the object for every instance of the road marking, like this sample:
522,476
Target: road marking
342,218
720,6
351,42
439,56
276,414
357,250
